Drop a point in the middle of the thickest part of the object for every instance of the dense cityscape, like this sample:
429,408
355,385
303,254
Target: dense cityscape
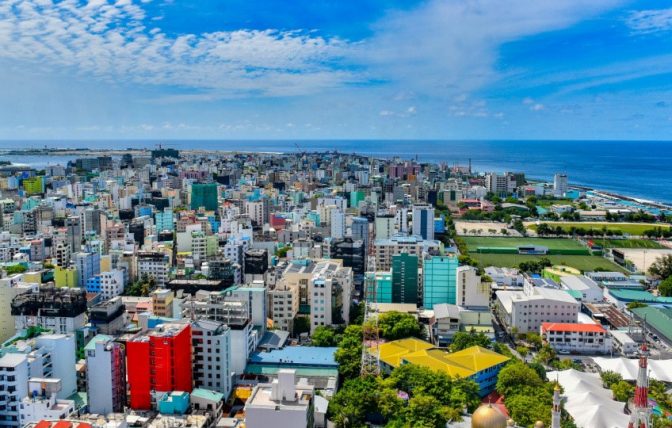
165,288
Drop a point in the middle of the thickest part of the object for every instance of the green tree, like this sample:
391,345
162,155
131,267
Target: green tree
515,377
349,352
324,336
301,325
527,409
534,339
665,287
463,340
546,354
426,411
356,398
635,305
398,325
610,378
14,269
622,390
662,267
523,351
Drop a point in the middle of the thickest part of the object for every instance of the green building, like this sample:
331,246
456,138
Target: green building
383,283
34,185
439,280
66,277
405,278
204,195
356,197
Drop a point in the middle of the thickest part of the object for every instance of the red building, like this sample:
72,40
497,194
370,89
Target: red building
158,362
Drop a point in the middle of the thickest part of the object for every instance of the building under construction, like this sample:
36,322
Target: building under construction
62,310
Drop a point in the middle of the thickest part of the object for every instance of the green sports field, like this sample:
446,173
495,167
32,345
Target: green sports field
473,242
629,228
582,263
627,243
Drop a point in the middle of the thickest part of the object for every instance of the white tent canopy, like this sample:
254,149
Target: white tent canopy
588,402
628,367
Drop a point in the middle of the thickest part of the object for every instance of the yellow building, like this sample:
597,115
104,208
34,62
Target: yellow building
34,277
65,277
34,185
477,363
105,263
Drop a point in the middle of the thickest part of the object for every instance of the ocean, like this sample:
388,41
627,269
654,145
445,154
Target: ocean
641,169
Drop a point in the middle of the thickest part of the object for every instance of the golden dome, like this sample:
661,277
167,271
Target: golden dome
486,416
539,424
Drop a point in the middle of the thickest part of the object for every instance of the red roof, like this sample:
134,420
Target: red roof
62,424
43,424
572,327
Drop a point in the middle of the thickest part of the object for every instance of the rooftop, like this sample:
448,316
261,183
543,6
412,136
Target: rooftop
572,327
297,355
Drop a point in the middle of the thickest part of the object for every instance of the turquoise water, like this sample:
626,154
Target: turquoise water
634,168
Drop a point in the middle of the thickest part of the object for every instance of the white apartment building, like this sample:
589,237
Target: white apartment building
423,221
153,265
105,375
284,300
337,223
112,283
525,311
413,245
560,185
471,292
282,403
329,292
577,338
255,210
212,355
582,286
384,225
41,402
14,374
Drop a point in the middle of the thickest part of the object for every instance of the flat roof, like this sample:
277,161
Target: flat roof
300,355
572,327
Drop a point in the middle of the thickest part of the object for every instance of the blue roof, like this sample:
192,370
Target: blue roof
297,355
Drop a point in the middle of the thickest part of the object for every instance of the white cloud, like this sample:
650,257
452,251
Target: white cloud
537,107
451,47
650,21
110,42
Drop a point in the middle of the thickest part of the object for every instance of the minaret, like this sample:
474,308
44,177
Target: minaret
555,415
641,414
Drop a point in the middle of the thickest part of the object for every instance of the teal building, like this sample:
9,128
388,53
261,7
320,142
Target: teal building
439,280
405,278
383,283
204,195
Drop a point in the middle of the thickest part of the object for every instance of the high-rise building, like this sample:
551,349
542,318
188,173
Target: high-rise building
360,230
15,372
337,223
423,221
405,278
471,292
559,185
61,310
74,227
385,226
211,342
153,266
439,275
105,375
204,195
159,362
165,220
87,265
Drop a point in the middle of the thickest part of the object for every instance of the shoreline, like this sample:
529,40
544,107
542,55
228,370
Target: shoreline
65,151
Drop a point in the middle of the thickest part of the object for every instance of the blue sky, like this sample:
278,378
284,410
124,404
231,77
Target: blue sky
279,69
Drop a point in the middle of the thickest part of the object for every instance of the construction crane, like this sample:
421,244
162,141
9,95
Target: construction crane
370,331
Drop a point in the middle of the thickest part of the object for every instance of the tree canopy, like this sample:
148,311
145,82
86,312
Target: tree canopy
398,325
463,340
665,287
662,267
